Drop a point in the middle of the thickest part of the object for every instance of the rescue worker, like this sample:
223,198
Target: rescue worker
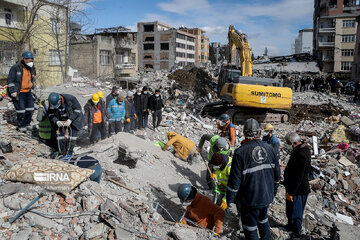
145,107
338,87
101,96
222,165
253,181
67,119
116,110
130,115
217,144
20,82
155,106
184,148
270,137
296,182
95,113
200,209
114,93
138,103
227,129
45,132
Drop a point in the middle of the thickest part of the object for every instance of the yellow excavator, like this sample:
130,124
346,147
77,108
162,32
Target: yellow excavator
243,96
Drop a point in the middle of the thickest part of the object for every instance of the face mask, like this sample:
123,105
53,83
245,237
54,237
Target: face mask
145,92
222,124
157,95
185,204
289,147
30,64
216,167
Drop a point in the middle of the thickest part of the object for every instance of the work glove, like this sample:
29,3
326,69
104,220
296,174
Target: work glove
127,120
135,116
223,204
67,123
14,94
213,176
289,197
59,123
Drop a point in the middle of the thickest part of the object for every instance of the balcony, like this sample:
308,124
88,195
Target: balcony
326,44
125,66
328,58
125,44
327,30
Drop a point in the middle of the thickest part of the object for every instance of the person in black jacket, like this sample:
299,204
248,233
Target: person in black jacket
145,96
113,95
65,116
138,103
94,114
155,105
253,181
296,182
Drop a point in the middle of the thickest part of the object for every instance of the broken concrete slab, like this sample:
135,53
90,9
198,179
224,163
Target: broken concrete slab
184,234
95,231
40,221
343,231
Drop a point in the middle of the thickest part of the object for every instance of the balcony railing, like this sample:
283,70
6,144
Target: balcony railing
125,44
326,30
326,44
125,66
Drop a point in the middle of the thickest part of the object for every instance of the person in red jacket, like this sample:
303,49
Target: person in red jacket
200,209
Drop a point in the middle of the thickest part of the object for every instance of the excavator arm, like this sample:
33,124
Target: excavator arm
238,41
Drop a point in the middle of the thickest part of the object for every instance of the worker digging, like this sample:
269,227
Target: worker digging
155,133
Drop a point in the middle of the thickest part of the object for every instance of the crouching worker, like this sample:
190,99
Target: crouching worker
184,148
116,110
222,166
200,209
84,162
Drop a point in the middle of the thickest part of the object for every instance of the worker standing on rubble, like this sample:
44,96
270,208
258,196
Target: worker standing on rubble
200,209
155,106
253,181
296,182
338,87
113,95
227,128
184,148
130,114
95,112
138,103
145,107
270,137
116,110
67,119
222,165
20,81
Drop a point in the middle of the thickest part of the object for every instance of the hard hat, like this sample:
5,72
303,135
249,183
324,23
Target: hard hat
95,98
101,94
54,100
120,98
130,94
224,117
221,143
27,55
217,159
251,127
269,127
183,191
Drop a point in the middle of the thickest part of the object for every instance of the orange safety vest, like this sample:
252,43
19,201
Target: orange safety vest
97,116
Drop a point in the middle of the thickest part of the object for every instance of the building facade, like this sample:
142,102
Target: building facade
162,47
107,54
304,41
335,30
47,39
355,74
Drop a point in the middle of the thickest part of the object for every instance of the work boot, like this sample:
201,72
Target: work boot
22,129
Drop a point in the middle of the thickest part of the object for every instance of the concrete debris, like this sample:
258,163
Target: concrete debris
184,234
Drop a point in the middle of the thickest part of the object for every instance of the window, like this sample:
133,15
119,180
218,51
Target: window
348,38
321,25
190,55
55,26
164,46
147,57
180,54
35,51
190,47
346,66
105,57
348,23
133,58
8,16
181,36
8,57
149,39
149,46
55,58
180,45
149,66
347,52
191,39
149,28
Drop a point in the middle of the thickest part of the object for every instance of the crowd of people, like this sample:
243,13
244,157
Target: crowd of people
248,176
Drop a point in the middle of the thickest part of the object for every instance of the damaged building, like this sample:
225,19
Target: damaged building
162,47
109,53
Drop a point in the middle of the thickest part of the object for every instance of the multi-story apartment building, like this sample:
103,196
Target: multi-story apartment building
47,38
304,41
335,35
108,53
162,47
201,45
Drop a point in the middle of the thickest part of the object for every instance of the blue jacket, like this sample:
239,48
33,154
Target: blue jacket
116,111
273,141
255,175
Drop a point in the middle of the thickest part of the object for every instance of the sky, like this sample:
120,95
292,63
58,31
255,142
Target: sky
268,23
